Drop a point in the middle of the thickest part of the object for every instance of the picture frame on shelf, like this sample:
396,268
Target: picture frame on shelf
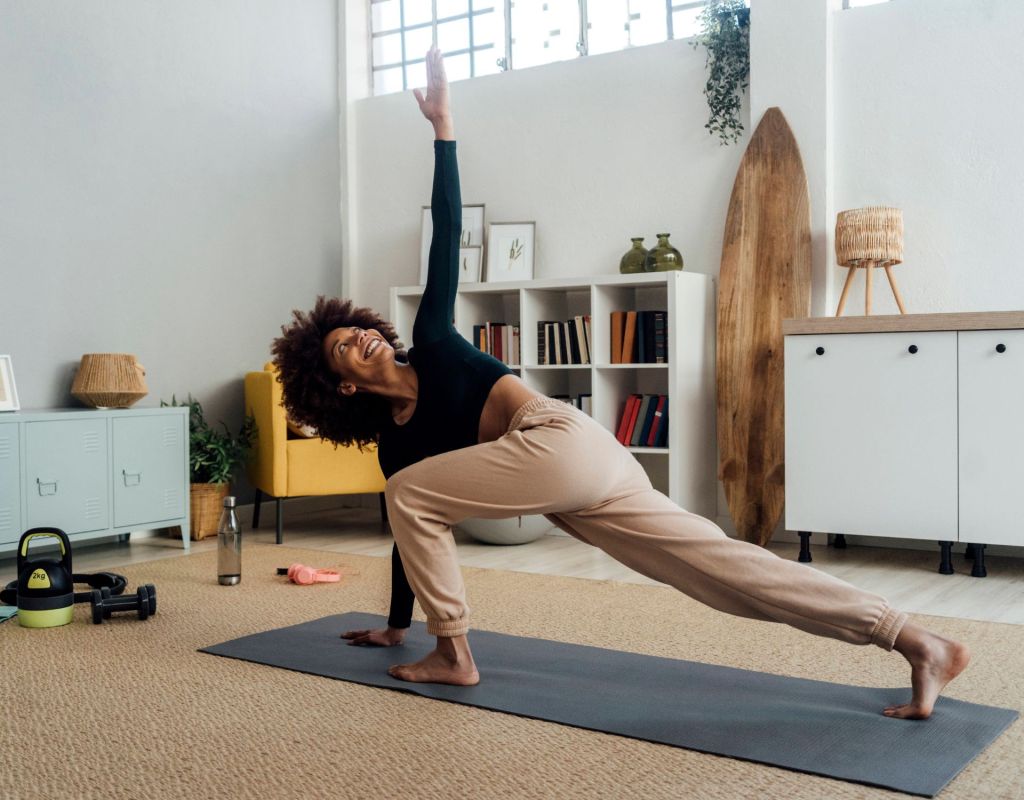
470,259
8,391
472,233
510,251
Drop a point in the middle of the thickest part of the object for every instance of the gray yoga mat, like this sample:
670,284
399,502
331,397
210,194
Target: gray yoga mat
810,726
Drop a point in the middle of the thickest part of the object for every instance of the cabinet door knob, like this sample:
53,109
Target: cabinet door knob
1000,348
912,349
819,350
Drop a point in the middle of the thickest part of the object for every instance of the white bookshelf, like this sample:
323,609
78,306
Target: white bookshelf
685,469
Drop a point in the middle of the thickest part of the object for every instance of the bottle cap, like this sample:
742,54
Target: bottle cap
229,501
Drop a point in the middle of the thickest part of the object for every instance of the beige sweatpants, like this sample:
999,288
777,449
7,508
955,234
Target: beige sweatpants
556,461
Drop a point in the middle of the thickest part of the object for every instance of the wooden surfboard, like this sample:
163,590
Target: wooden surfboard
765,277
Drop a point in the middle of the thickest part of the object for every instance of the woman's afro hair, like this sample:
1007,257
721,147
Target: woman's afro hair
310,389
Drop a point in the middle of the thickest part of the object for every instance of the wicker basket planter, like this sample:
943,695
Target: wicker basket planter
206,501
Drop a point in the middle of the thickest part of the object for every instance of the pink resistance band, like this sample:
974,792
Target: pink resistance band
300,573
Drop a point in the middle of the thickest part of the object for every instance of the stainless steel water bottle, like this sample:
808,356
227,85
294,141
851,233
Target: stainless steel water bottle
229,545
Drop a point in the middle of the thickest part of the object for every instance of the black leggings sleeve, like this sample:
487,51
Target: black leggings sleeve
402,596
434,317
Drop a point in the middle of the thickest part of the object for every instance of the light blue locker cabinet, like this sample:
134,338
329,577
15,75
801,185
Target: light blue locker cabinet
10,483
67,472
93,472
148,482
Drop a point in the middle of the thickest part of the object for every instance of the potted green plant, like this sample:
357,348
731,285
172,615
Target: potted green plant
213,457
725,34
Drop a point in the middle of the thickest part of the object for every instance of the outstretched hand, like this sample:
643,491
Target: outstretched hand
434,104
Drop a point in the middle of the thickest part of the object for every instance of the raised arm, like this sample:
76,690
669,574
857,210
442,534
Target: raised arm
434,317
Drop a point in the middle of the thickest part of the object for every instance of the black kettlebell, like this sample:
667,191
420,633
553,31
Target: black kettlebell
46,589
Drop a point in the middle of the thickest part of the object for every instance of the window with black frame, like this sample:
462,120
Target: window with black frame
482,37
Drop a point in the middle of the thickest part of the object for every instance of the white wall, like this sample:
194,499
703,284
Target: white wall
595,150
169,187
929,112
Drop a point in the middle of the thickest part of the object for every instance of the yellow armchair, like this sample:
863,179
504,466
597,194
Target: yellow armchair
280,467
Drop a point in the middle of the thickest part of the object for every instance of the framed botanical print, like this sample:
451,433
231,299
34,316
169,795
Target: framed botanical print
510,249
470,259
8,392
472,233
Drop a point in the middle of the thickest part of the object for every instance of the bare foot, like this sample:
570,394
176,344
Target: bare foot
934,662
451,663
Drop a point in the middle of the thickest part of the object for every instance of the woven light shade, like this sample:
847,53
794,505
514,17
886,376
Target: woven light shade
872,234
868,238
109,380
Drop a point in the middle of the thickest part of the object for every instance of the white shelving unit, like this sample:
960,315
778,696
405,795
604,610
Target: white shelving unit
685,470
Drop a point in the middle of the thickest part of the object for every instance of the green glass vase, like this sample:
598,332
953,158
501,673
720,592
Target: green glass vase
663,257
635,258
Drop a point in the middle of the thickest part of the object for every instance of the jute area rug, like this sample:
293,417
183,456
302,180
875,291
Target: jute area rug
130,709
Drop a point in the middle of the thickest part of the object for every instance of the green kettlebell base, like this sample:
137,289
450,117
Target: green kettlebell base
48,618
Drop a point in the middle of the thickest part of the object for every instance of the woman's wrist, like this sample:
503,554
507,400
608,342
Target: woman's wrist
444,129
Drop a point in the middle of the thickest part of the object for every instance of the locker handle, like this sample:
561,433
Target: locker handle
46,488
819,350
131,478
912,349
1000,348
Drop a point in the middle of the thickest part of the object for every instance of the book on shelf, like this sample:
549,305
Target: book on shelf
662,440
639,337
582,339
660,337
652,411
629,339
641,418
659,413
618,326
627,416
585,403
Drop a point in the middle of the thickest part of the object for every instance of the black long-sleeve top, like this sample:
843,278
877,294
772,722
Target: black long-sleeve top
454,376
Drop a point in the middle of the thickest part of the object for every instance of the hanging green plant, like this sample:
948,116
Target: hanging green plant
725,34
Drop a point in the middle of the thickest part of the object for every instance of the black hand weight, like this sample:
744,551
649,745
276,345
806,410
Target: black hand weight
104,603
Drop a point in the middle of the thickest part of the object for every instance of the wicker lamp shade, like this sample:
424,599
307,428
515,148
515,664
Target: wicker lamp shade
109,380
868,238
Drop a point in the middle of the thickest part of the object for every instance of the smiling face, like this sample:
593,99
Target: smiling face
358,356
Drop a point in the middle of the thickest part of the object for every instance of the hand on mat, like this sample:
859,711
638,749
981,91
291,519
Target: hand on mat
380,637
435,105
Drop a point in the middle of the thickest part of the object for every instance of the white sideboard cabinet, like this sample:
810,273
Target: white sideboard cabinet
906,426
93,472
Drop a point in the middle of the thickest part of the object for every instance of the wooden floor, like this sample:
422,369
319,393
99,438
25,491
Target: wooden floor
909,578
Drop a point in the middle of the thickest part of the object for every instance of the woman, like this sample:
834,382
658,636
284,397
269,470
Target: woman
460,436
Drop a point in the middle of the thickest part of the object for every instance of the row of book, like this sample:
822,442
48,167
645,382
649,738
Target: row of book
500,340
644,421
639,337
564,342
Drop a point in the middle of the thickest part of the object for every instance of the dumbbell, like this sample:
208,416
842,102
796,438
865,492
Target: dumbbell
104,603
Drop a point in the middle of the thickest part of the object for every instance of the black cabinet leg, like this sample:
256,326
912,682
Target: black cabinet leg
805,546
978,570
256,509
945,562
383,512
280,519
969,552
840,542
